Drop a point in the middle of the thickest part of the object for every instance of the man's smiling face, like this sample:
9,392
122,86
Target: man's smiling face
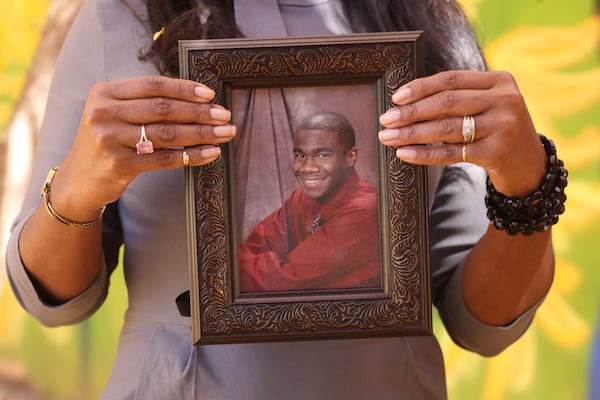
321,164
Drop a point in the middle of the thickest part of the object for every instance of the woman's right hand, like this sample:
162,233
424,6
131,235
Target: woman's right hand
103,161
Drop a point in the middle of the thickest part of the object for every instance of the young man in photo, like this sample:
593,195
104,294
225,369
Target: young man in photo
326,234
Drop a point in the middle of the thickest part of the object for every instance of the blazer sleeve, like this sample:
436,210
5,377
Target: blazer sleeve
457,221
80,65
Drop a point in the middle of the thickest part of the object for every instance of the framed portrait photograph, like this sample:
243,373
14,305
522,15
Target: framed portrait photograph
306,227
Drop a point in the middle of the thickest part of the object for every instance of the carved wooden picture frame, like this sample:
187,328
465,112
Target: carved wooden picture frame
401,304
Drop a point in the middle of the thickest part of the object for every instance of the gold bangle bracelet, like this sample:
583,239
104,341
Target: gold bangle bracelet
46,195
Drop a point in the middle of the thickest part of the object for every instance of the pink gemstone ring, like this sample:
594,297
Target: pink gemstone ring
144,146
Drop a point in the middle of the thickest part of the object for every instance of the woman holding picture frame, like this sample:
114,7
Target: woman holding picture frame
109,161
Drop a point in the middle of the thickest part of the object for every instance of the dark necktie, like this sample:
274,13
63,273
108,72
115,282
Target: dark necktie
317,222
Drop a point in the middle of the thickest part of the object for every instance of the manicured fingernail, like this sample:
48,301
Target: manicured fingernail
386,134
406,154
401,95
220,114
204,92
210,152
224,130
389,117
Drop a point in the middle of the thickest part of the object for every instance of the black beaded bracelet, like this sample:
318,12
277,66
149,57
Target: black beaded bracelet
536,212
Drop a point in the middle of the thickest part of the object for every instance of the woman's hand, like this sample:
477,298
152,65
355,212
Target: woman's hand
427,127
103,160
430,111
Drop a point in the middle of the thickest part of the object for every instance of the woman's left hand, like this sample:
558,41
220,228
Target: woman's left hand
430,111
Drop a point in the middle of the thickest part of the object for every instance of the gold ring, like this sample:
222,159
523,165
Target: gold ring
468,129
144,146
185,158
464,152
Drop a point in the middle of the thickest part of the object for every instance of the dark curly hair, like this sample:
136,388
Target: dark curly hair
449,41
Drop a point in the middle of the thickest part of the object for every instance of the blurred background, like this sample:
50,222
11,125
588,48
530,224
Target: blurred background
553,49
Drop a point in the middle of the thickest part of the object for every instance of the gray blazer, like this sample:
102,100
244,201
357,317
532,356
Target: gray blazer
155,358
